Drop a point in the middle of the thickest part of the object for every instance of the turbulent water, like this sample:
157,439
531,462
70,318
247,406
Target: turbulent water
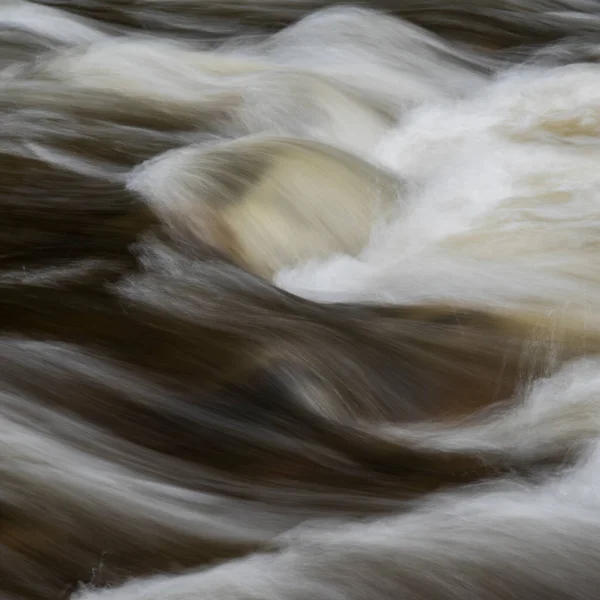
299,301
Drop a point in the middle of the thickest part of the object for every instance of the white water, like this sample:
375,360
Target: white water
504,206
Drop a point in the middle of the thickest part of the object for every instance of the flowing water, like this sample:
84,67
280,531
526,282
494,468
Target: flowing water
299,300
